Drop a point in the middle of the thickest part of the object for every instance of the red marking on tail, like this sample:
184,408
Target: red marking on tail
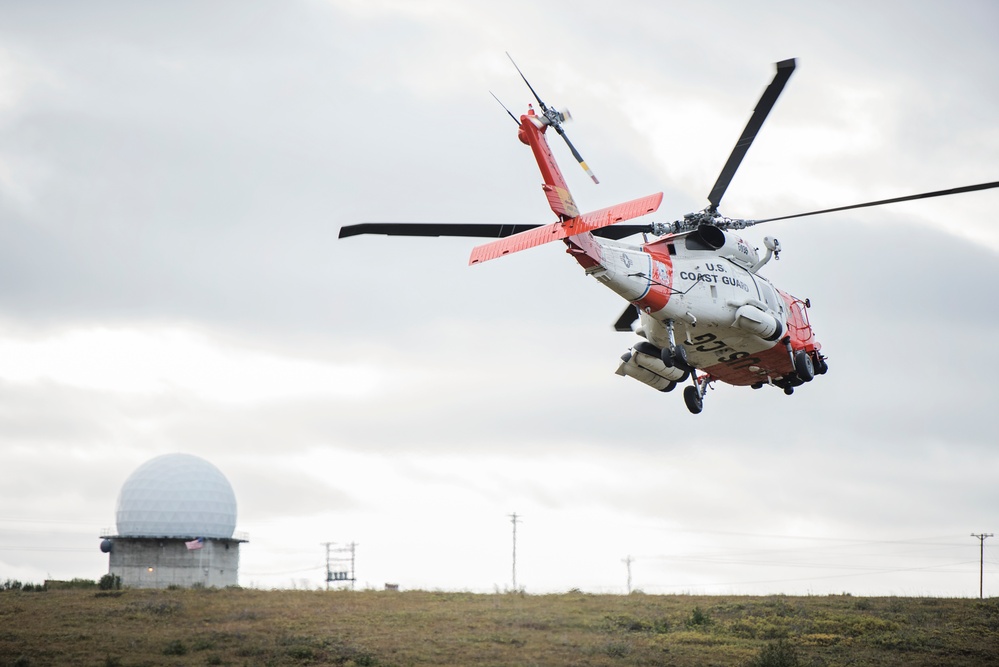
532,133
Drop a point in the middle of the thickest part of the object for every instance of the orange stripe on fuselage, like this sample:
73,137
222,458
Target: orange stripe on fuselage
660,282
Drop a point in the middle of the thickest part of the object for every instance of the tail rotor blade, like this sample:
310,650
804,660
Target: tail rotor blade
575,153
553,118
763,107
504,108
544,108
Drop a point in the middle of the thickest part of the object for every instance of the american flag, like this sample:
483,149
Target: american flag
195,544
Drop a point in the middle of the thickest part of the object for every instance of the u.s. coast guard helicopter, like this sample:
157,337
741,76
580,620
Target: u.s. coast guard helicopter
704,312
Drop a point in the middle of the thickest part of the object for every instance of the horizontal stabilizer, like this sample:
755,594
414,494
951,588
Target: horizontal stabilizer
571,227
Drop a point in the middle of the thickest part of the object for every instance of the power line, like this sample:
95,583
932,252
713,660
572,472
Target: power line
268,574
42,548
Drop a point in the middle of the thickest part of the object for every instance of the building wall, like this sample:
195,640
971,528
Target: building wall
161,562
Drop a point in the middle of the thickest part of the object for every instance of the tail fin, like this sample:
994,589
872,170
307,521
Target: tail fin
532,133
579,224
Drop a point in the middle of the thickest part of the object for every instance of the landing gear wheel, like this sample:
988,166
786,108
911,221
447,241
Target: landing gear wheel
645,347
675,357
692,397
803,366
788,390
670,387
821,367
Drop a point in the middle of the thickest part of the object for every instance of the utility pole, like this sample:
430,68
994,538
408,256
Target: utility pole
628,561
981,562
340,575
329,573
353,577
514,519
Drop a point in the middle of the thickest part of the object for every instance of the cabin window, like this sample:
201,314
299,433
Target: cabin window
694,242
768,294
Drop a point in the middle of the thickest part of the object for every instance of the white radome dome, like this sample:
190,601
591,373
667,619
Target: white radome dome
176,495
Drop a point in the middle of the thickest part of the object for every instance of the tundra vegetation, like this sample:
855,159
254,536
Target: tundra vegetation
104,625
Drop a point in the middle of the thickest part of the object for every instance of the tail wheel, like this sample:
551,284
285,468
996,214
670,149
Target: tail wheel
803,366
692,397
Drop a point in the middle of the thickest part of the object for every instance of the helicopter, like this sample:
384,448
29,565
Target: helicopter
697,301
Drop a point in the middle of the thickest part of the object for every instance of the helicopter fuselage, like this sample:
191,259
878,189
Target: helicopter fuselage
701,290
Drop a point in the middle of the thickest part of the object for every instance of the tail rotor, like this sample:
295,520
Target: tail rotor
554,118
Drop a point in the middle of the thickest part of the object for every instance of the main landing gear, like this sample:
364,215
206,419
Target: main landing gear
693,395
806,367
675,356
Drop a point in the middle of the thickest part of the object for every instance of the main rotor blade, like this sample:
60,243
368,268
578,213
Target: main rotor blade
476,230
480,230
619,231
575,153
763,107
540,103
894,200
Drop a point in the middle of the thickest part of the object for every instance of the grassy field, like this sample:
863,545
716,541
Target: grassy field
252,627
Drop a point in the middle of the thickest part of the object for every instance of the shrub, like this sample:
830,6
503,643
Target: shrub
109,582
175,647
698,618
776,654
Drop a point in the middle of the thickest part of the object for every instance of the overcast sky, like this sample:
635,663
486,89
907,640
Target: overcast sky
173,177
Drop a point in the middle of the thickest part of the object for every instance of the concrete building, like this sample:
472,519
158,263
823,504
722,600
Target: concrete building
176,521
